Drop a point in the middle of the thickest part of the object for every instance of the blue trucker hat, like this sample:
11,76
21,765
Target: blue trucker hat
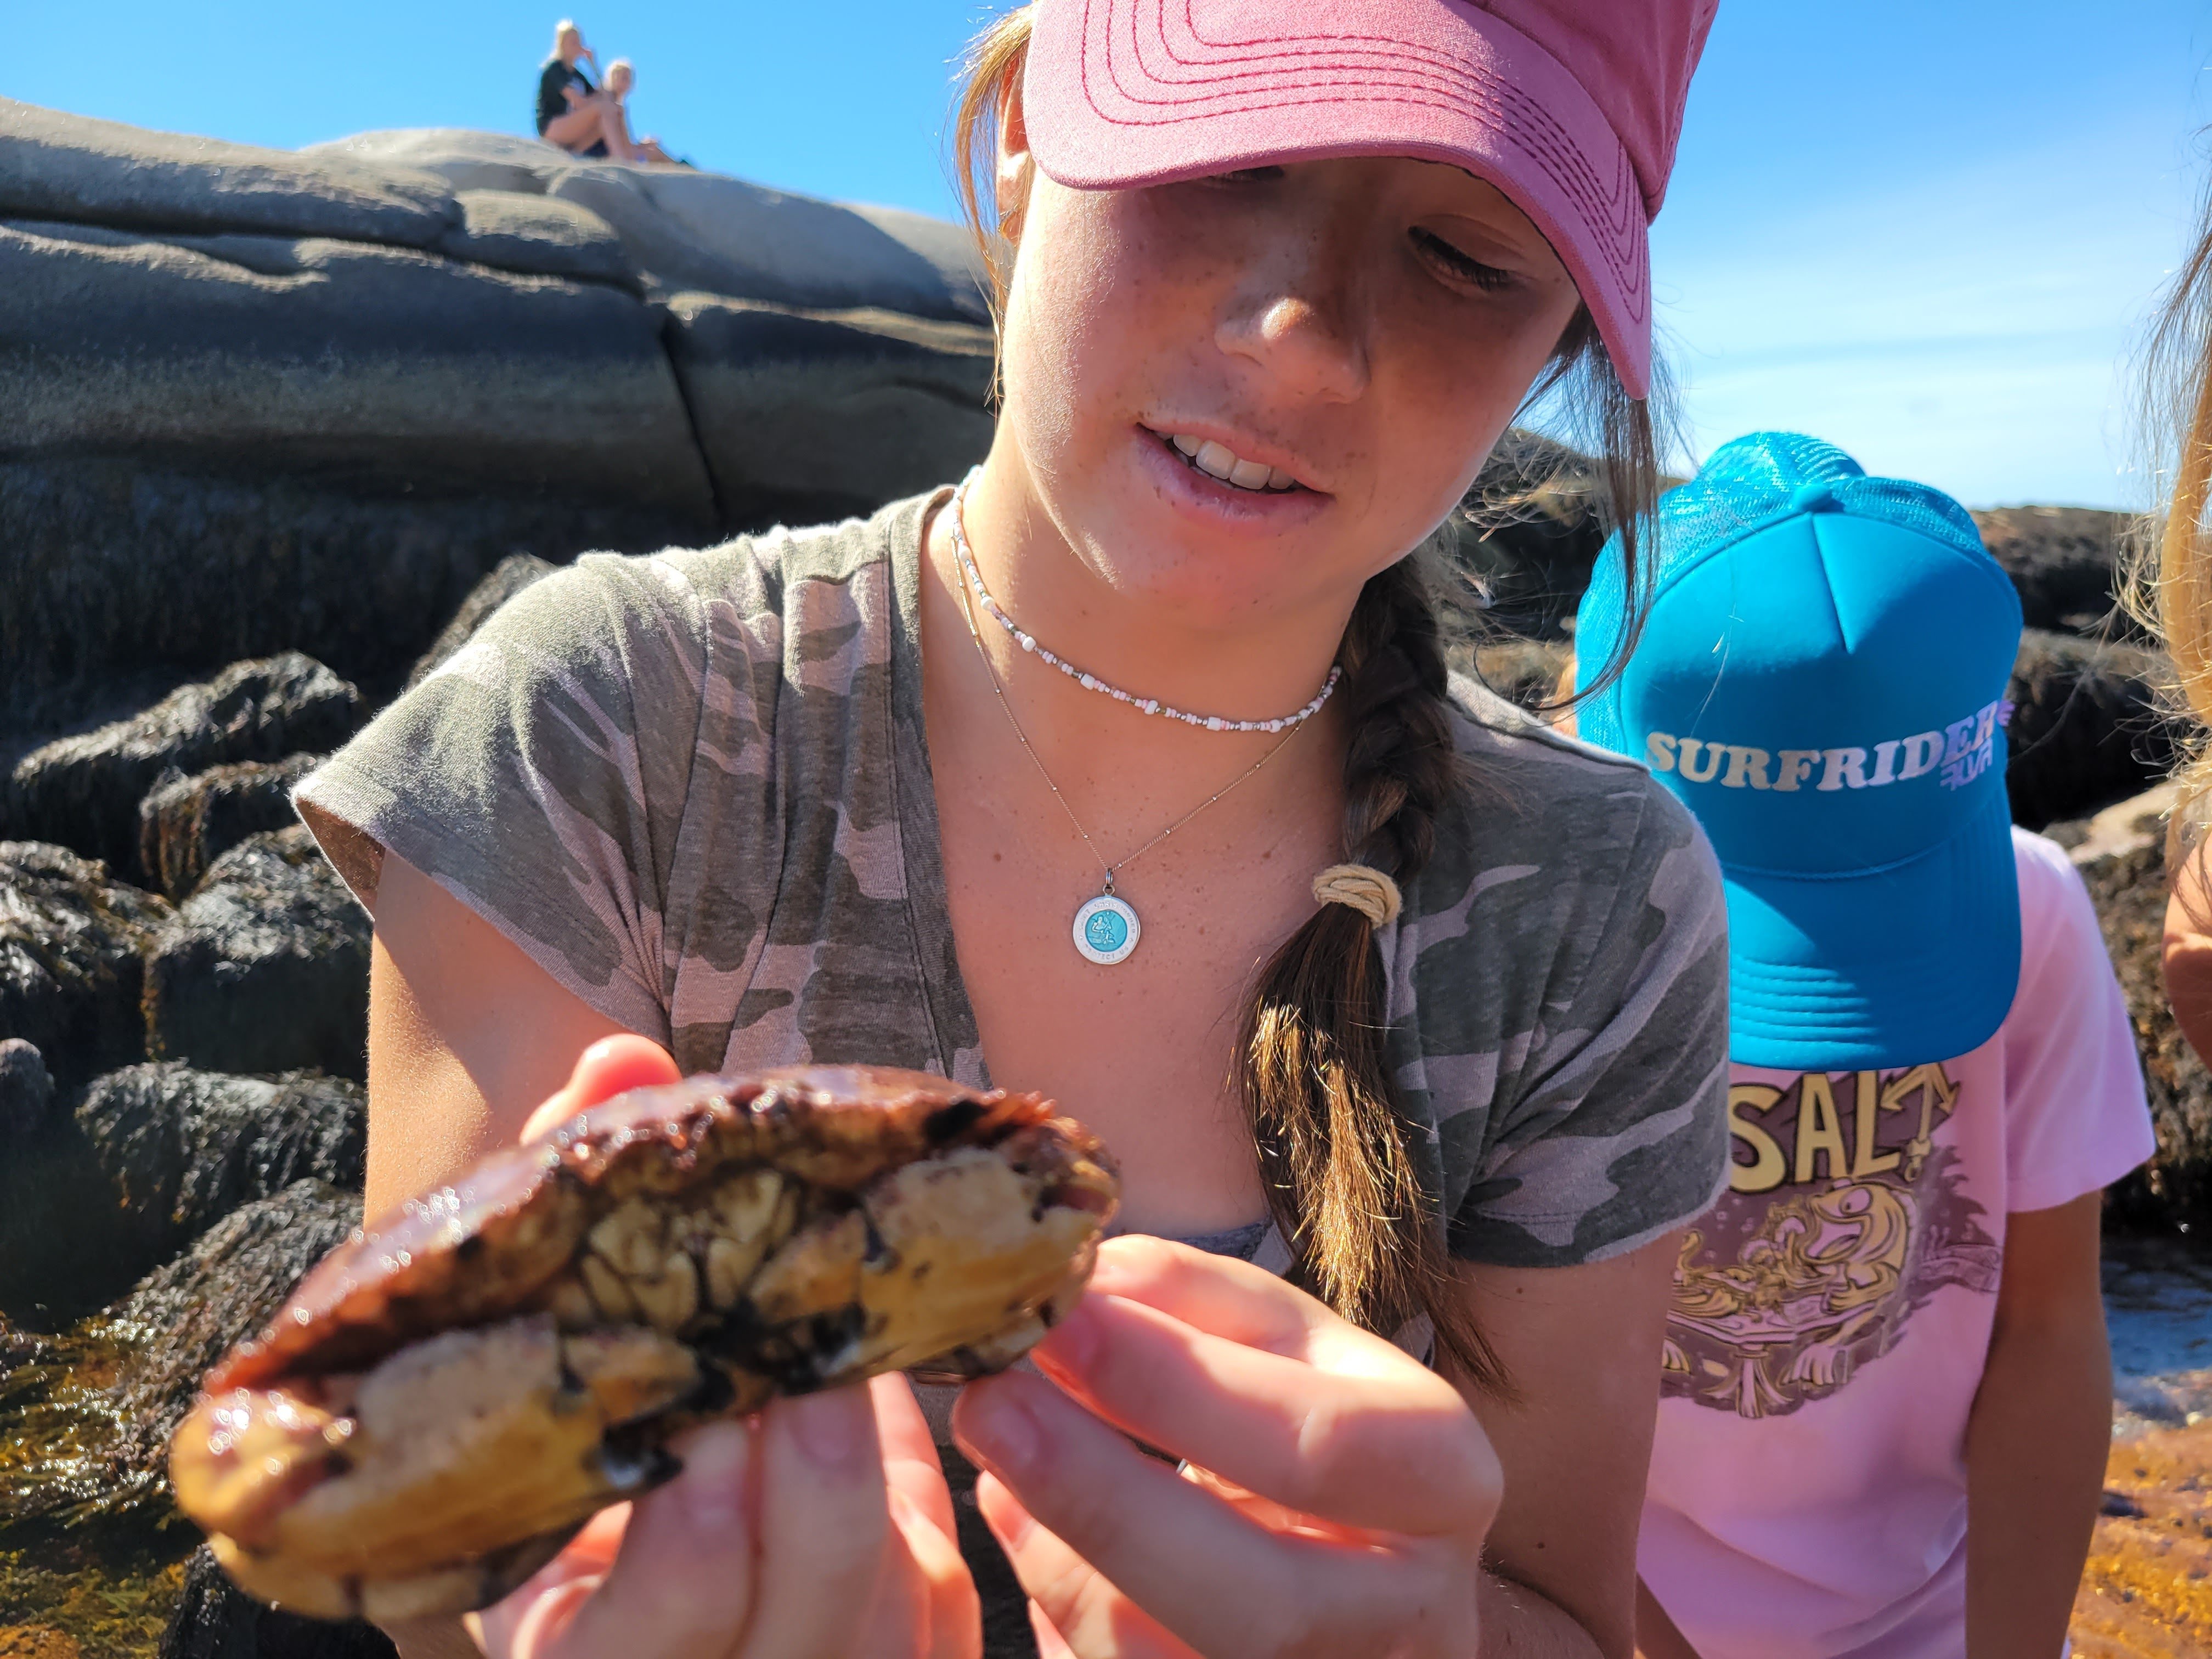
1821,680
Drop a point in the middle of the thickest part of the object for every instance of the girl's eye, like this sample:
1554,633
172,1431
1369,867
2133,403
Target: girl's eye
1250,176
1459,265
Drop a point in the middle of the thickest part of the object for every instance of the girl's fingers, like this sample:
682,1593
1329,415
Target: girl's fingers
910,1461
1228,1296
611,1067
1397,1448
680,1585
927,1586
1084,1613
1166,1543
825,1527
924,1591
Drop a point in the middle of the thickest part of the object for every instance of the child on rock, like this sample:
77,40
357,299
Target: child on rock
1887,1386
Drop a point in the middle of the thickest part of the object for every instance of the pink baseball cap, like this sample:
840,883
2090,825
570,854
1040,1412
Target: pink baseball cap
1571,108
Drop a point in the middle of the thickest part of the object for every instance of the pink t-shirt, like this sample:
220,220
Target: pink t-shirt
1832,1312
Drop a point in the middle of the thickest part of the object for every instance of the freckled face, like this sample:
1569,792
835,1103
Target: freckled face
1350,335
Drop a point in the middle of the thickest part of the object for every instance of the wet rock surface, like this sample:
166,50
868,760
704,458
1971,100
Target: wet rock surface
181,1149
216,1620
72,944
185,824
184,1315
26,1091
92,1407
264,968
2147,1590
83,792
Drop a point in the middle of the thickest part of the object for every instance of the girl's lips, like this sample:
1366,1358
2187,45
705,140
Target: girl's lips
1199,495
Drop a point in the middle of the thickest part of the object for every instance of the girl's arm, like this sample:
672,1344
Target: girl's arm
2037,1441
1346,1501
1580,1347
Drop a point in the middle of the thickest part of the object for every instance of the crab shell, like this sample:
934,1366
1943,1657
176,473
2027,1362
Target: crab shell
453,1391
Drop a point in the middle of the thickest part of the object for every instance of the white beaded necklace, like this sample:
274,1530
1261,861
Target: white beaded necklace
1090,681
1106,928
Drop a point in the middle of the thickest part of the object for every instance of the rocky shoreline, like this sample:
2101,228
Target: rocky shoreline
292,427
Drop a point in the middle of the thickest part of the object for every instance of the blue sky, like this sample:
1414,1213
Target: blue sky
1928,230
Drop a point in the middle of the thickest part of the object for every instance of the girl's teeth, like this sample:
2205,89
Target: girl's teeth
1217,460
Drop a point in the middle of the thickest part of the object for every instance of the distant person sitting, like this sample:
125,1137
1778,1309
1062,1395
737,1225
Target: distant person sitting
620,78
580,117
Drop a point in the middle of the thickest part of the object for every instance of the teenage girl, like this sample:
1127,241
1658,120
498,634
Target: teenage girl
2181,355
1414,1022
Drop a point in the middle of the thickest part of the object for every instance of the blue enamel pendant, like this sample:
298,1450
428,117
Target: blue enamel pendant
1106,930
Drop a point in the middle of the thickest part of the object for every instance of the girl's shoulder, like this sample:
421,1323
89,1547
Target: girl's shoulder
1533,794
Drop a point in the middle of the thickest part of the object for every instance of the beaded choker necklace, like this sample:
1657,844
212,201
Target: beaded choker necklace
1090,681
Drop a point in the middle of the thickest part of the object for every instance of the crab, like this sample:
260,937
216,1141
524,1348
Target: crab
452,1392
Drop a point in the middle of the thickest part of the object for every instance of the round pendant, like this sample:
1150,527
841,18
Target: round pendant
1106,931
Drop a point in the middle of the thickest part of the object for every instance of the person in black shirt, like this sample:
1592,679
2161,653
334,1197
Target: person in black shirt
578,117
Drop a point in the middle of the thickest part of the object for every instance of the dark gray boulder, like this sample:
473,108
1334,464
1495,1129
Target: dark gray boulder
540,235
703,231
264,968
508,578
323,355
26,1093
261,400
682,228
185,824
800,412
72,945
151,1158
55,166
180,1149
2063,560
2088,727
83,792
186,1314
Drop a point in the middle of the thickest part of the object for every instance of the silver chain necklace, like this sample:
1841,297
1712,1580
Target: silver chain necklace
1106,928
958,525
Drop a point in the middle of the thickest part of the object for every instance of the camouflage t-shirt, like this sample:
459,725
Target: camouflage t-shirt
695,787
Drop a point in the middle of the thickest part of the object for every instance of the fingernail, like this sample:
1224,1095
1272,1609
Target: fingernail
1004,1429
827,1428
713,1478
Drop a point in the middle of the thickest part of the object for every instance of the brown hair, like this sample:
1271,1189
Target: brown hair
1335,1145
2172,587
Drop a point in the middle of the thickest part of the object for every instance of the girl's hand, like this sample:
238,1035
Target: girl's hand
1335,1496
819,1530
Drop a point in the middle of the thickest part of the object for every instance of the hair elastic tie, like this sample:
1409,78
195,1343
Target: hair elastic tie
1363,887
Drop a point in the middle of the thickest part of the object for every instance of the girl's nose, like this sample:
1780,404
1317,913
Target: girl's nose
1303,341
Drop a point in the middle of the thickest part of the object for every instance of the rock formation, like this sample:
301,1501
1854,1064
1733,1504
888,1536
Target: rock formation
84,790
264,968
262,400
